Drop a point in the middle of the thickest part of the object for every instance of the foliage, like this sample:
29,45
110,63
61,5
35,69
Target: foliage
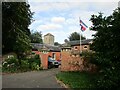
36,37
90,56
66,41
0,69
106,45
34,62
83,80
57,44
16,17
12,64
75,36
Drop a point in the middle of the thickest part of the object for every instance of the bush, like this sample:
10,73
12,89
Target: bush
35,63
88,56
24,65
12,64
35,66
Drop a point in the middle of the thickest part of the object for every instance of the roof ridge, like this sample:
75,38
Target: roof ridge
48,34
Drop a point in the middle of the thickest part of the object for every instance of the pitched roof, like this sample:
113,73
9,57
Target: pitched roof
83,42
45,47
48,34
37,45
52,48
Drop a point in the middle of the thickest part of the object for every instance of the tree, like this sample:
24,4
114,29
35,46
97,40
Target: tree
16,17
66,41
56,43
106,45
75,36
36,37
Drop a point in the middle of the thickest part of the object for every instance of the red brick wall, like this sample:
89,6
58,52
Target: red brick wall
44,60
44,57
70,62
82,47
58,55
36,52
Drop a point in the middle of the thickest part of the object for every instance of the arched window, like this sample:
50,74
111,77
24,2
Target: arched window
75,47
85,47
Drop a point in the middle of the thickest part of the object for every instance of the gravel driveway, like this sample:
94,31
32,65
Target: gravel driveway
34,79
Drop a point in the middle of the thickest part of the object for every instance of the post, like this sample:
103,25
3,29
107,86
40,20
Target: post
80,38
80,43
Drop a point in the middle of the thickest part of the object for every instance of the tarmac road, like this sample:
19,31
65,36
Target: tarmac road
34,79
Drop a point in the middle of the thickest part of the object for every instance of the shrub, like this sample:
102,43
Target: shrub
10,64
34,63
24,65
88,56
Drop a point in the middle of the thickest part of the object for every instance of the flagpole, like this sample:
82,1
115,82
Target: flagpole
80,38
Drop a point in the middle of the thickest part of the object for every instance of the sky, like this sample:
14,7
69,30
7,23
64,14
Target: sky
61,17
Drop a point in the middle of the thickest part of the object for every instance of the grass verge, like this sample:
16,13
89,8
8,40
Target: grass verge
78,79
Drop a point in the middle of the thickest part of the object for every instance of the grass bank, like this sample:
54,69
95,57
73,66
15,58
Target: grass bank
78,79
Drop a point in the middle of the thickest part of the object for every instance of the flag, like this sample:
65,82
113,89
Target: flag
83,25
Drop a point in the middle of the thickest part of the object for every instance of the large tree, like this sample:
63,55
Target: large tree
75,36
106,45
36,37
16,17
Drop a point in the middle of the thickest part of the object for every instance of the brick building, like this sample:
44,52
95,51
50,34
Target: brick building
68,54
71,59
45,50
85,44
74,46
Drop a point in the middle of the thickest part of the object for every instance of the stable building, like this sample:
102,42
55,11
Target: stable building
44,51
85,44
53,51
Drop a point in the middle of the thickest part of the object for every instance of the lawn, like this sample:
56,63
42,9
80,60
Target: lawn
78,79
0,69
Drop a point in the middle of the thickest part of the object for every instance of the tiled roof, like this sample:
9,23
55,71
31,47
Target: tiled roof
49,34
45,47
52,48
37,45
77,42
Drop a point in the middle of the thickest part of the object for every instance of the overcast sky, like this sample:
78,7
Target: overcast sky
61,18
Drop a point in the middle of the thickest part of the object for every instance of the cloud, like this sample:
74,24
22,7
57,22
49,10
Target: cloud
40,6
61,18
59,6
104,5
74,0
88,34
58,20
49,27
71,21
48,6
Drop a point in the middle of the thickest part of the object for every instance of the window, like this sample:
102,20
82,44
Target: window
85,47
75,47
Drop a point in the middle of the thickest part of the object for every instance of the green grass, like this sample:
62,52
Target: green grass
77,79
0,69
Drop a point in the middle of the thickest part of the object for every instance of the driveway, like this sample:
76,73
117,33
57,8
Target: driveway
34,79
